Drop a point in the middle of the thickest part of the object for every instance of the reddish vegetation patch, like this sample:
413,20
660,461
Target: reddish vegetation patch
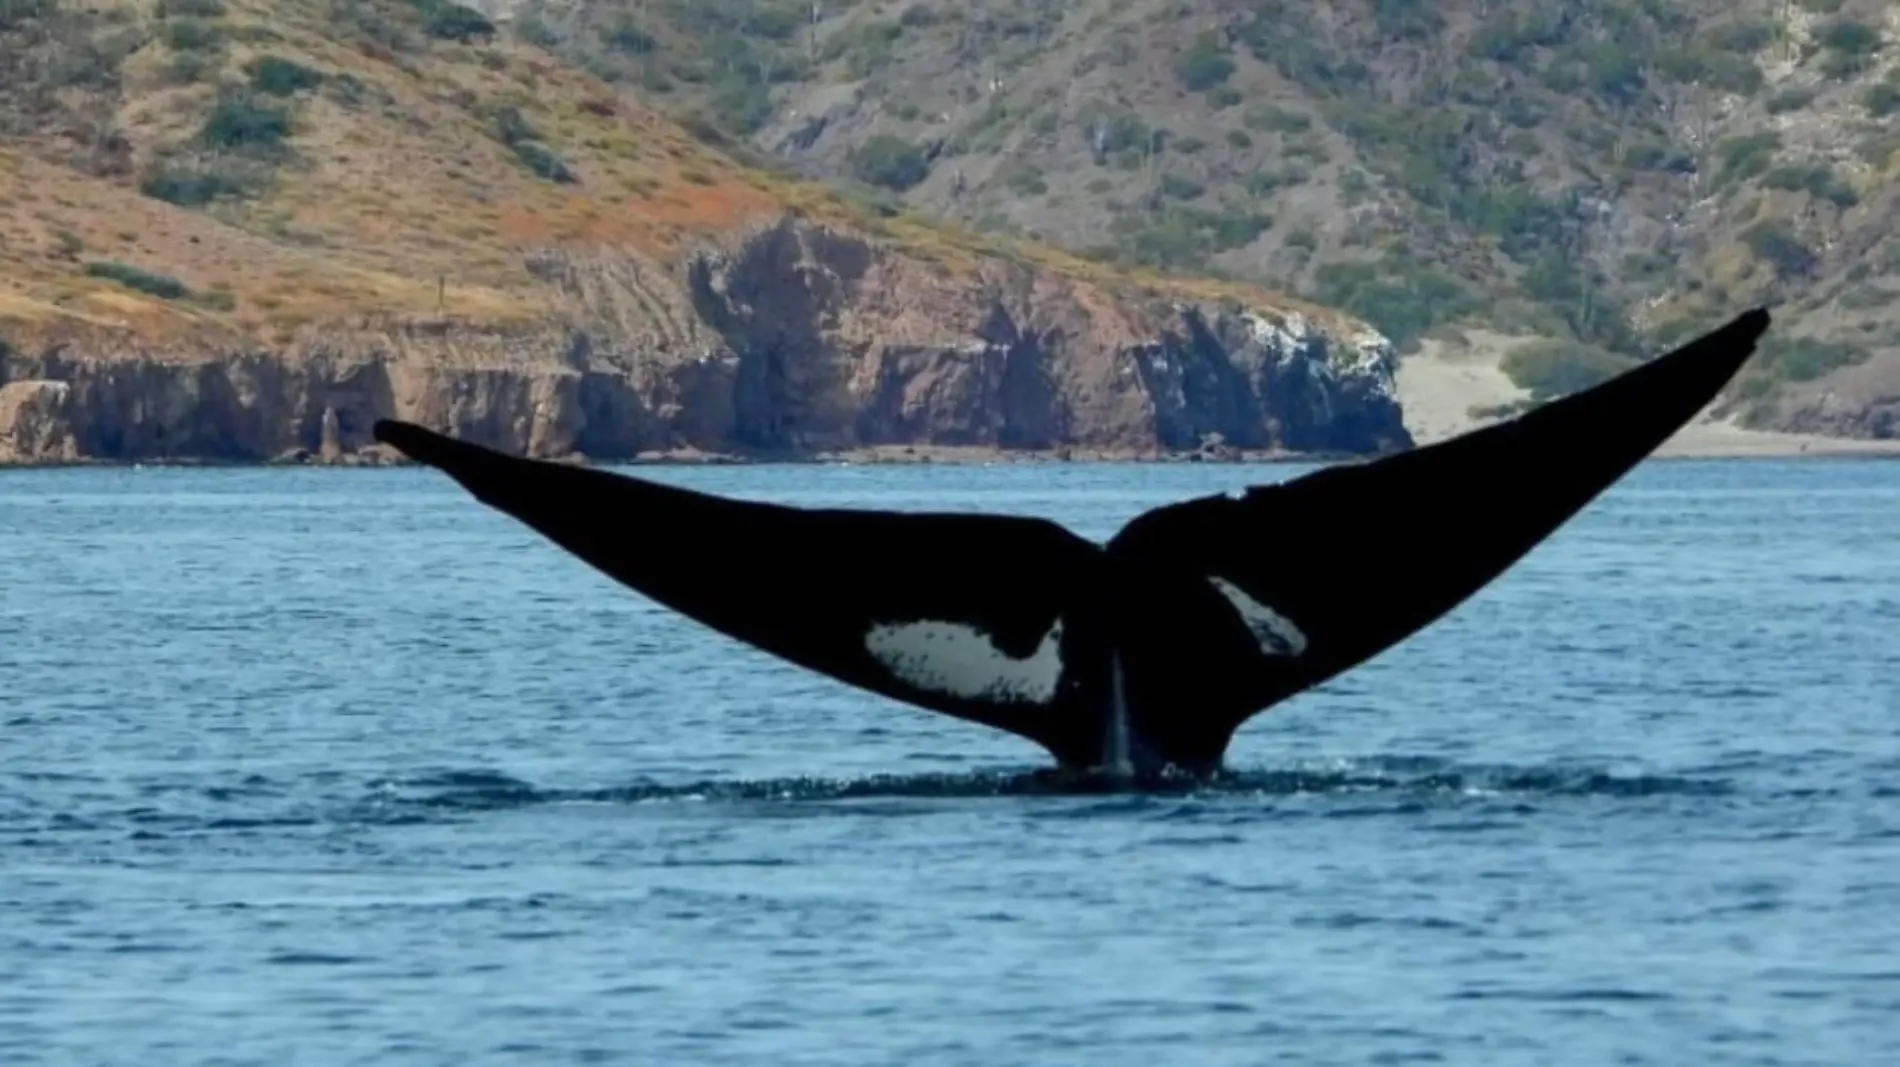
647,224
616,224
717,207
523,224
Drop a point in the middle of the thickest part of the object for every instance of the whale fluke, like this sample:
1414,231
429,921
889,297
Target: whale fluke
949,611
1146,652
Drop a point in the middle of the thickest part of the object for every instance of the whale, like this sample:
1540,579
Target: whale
1141,655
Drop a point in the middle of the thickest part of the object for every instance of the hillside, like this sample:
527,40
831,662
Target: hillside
236,229
1595,174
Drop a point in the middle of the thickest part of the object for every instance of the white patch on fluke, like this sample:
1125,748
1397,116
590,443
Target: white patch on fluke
1275,632
961,661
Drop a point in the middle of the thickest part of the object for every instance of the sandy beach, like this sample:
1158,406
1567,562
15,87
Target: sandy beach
1446,389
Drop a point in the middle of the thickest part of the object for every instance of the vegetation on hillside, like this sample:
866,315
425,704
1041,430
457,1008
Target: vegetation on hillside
262,164
1600,172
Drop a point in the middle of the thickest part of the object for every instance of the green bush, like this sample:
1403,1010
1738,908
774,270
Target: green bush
1235,229
18,12
1264,183
512,126
1024,179
1656,157
238,122
1508,35
1121,138
779,20
189,68
891,162
193,186
1181,187
192,35
1179,237
1745,156
1774,242
1204,65
1882,100
159,285
1850,47
625,35
1877,147
1724,71
1790,99
277,76
513,129
1401,299
543,163
201,9
866,47
740,105
530,27
1554,368
1523,113
1577,296
1850,36
1817,180
348,90
451,21
1747,35
1612,71
1407,19
1804,359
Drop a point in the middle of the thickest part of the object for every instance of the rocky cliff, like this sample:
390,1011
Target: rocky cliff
244,229
1608,173
790,339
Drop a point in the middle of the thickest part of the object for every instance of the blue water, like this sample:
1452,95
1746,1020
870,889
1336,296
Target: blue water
337,767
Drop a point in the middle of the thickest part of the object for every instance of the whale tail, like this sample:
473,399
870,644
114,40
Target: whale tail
1361,556
1004,620
949,611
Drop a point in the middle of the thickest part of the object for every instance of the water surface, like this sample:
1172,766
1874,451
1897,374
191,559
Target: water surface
337,766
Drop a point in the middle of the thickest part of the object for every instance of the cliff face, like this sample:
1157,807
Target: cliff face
1605,172
789,339
245,229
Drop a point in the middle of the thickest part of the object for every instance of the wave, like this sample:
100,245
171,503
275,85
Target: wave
485,790
322,800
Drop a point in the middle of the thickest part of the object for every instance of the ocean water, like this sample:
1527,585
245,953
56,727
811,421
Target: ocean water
339,767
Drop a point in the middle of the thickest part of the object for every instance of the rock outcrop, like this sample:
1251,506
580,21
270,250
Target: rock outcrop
787,340
1860,402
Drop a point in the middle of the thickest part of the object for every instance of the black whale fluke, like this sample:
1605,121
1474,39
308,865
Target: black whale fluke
1144,653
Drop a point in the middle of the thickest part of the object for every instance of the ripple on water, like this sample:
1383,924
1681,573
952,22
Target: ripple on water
336,765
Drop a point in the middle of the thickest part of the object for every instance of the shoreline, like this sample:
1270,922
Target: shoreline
1725,441
936,456
1702,442
1451,385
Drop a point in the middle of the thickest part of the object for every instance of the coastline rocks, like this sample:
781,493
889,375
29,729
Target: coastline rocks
790,340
